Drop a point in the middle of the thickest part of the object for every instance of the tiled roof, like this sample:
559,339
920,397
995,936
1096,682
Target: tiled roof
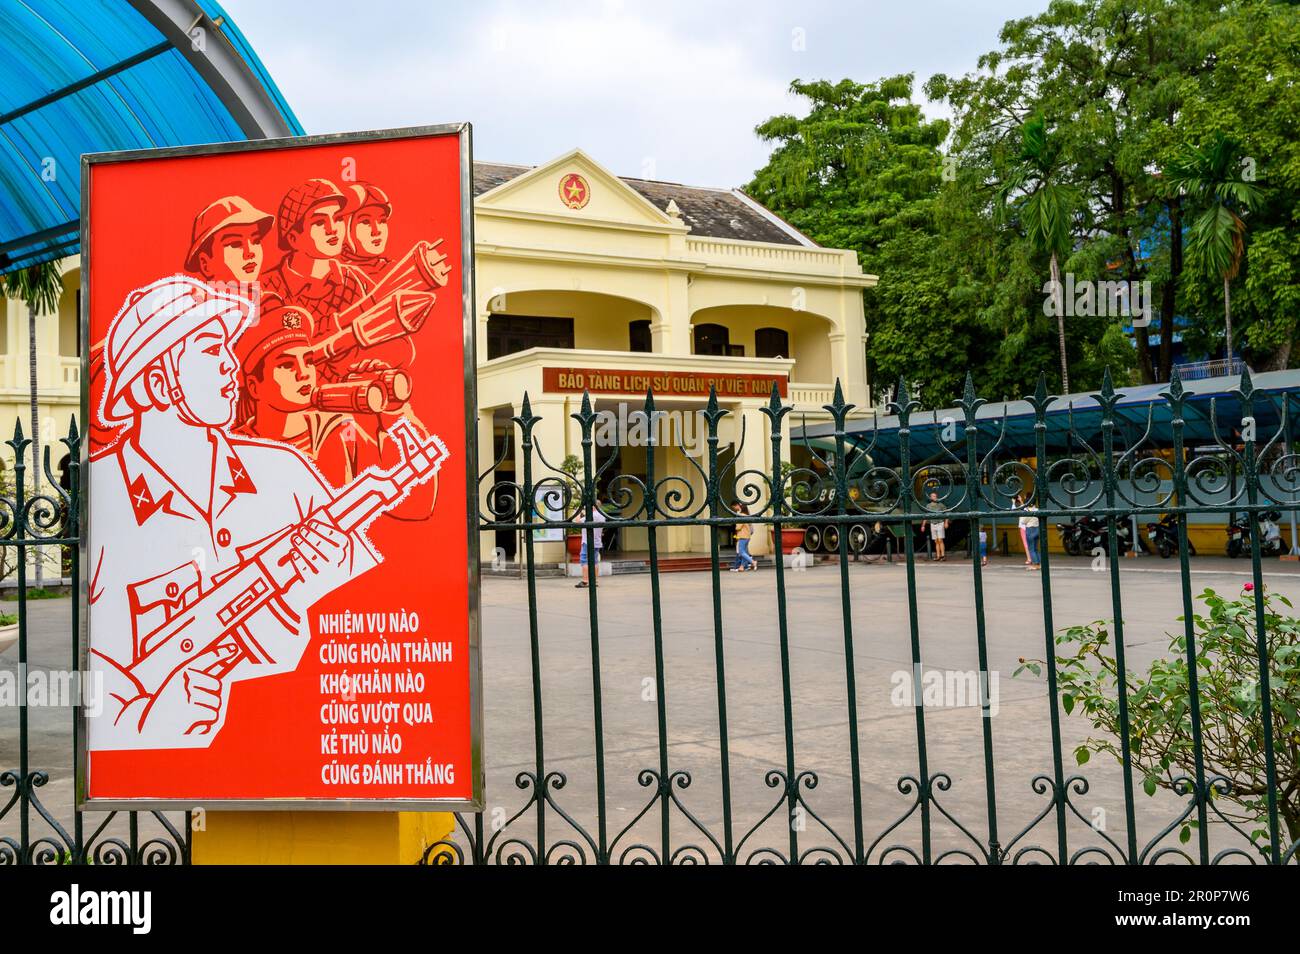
711,213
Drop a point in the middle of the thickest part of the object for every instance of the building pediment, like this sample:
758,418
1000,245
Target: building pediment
575,186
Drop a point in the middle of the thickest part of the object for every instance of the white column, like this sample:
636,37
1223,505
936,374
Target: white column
674,323
755,455
549,439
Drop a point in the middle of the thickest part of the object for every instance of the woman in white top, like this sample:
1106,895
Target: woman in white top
1029,532
1016,503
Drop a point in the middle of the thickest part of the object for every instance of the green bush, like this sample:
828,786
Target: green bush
1160,713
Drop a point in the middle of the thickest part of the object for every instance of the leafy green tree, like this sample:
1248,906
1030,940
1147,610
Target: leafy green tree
1123,86
850,170
863,169
1036,197
1251,95
1111,77
39,287
1213,178
1162,743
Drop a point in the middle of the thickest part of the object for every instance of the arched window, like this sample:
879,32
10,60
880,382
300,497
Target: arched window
509,334
771,343
712,339
638,335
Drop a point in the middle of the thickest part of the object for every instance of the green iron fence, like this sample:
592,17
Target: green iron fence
1112,475
48,520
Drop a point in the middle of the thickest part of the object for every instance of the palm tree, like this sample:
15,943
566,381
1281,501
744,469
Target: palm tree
1044,206
1216,241
39,286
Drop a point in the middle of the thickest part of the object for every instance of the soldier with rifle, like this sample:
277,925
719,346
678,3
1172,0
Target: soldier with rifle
207,548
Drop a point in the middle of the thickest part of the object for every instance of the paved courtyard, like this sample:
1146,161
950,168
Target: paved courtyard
756,727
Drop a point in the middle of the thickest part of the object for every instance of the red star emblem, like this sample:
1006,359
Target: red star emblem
574,191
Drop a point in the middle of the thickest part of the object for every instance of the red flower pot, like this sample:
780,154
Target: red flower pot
791,537
573,544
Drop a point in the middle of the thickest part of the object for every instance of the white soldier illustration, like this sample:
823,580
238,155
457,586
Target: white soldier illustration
208,547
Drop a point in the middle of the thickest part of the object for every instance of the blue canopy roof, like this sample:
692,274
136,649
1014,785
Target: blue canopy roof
80,76
1009,425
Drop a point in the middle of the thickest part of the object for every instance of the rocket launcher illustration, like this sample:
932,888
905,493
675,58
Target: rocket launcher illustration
401,314
394,309
233,611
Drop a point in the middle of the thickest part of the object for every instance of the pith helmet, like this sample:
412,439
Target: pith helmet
231,210
364,194
153,320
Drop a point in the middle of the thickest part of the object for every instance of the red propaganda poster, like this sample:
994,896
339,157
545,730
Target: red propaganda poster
281,594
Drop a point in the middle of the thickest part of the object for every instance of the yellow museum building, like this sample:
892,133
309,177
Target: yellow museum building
587,279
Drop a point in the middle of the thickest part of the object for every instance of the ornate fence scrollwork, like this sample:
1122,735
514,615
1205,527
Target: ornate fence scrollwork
849,491
843,494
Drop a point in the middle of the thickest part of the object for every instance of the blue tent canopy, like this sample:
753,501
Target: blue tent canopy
1076,417
80,76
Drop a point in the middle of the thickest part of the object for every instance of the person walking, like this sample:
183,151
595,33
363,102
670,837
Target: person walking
595,534
937,528
1030,533
1016,503
744,533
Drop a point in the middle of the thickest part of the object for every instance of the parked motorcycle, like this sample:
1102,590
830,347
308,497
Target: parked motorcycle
1070,533
1088,533
1163,536
1270,540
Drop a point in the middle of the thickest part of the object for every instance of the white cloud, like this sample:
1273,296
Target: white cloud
670,90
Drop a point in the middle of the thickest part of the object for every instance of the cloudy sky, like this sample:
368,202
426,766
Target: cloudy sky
670,89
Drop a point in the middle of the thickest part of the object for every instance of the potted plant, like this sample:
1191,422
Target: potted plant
791,534
571,466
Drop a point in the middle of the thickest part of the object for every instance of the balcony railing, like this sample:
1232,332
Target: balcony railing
811,397
788,257
1214,368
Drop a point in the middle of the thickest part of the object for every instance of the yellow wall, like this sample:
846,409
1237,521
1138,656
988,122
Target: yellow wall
58,374
600,322
809,345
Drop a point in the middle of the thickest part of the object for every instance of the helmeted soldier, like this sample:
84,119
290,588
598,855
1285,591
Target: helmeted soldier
279,385
226,242
180,503
366,240
310,224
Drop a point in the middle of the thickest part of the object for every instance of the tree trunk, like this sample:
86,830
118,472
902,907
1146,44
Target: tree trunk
1280,359
34,486
1060,322
1291,818
1169,298
1227,318
1141,333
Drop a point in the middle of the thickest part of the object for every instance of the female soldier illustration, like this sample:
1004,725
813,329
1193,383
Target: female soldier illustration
279,388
